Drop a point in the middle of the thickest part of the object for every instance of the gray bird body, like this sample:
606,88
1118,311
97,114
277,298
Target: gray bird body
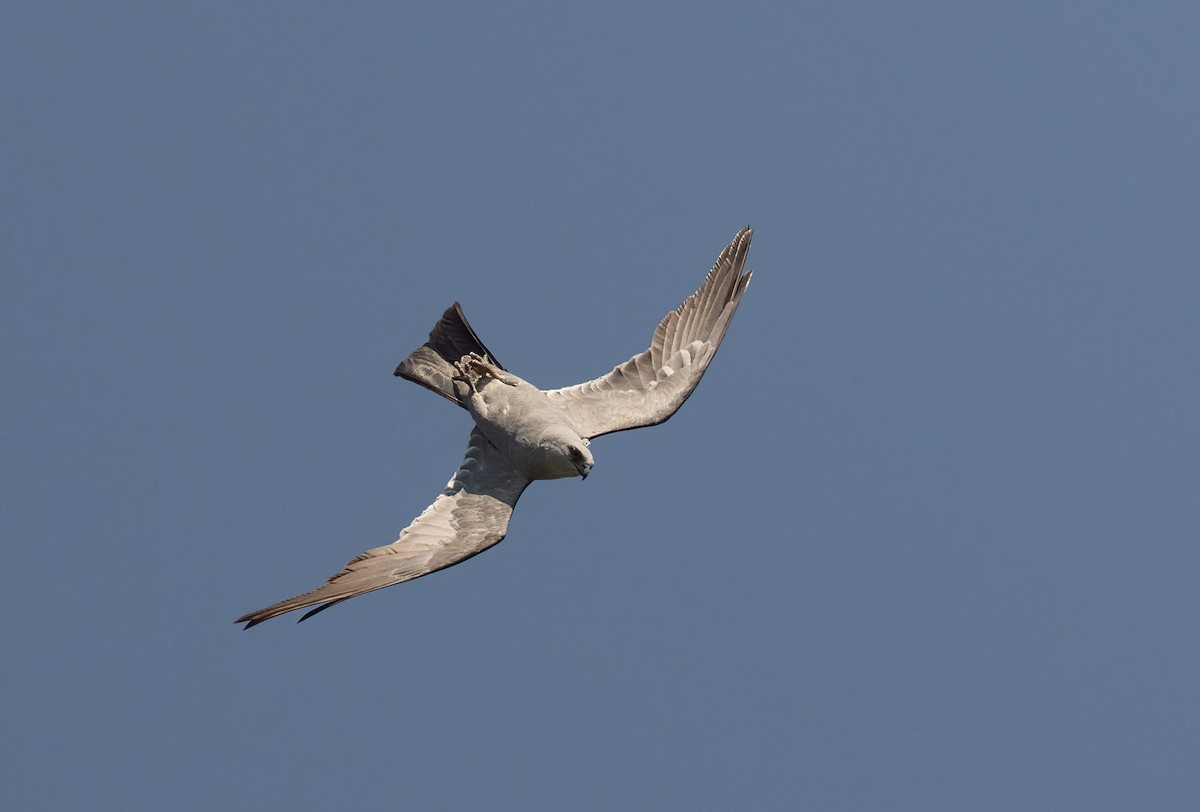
523,434
534,435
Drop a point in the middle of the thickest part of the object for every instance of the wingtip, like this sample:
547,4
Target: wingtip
738,247
252,619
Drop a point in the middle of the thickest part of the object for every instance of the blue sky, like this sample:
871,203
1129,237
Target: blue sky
925,538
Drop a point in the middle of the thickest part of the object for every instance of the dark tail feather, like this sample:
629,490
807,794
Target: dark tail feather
432,364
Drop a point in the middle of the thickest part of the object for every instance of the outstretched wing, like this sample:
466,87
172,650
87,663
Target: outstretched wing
469,516
651,386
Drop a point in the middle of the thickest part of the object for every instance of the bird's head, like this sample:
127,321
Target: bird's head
571,451
581,458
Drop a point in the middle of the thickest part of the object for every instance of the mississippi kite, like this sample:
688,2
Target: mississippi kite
523,434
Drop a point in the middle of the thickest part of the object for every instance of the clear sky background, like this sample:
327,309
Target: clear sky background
925,538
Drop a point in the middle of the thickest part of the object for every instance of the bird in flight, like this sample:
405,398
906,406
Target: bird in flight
523,433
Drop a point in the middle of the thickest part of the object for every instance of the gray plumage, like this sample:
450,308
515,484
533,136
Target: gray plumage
523,434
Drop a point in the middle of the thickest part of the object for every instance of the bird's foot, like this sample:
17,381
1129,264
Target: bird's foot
474,368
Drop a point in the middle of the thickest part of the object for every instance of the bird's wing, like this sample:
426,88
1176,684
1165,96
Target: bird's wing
650,387
469,516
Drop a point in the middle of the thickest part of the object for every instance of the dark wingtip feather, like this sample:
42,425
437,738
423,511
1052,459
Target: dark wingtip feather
320,608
